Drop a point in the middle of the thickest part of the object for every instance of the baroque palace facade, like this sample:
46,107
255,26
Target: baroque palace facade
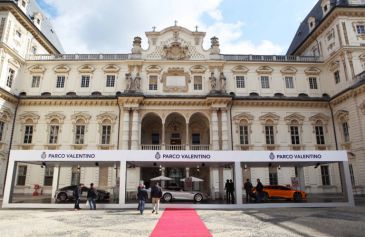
176,95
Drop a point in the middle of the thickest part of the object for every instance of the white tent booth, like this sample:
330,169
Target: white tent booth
126,168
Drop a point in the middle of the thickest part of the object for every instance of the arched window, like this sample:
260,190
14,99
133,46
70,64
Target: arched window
80,131
319,123
54,129
106,129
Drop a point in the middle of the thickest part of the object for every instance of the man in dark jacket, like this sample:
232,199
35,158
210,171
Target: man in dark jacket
156,194
259,191
142,197
248,188
91,197
77,196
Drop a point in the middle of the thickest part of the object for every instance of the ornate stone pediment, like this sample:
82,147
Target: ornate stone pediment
289,70
5,115
342,115
197,69
319,117
175,51
153,69
269,116
29,116
312,71
111,68
55,115
86,69
106,116
264,70
37,69
243,117
240,69
334,66
62,69
294,117
81,115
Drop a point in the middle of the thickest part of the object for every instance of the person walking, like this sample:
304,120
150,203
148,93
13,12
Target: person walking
77,196
259,191
226,187
142,197
248,188
231,190
156,194
91,197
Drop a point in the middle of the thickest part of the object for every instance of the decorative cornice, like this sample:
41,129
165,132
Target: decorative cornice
8,97
175,102
69,102
353,92
281,103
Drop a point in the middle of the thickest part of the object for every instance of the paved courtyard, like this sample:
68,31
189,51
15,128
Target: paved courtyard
221,223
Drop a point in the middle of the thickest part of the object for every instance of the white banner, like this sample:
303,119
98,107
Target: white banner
178,156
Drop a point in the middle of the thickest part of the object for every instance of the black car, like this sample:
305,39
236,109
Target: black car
66,194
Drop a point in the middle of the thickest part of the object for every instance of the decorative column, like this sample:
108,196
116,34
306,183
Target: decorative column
238,181
163,136
225,145
125,131
56,177
214,126
135,123
187,137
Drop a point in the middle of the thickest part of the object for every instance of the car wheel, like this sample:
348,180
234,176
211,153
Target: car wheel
265,197
167,197
297,197
62,197
198,197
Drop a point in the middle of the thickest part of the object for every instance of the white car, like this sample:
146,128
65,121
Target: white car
196,196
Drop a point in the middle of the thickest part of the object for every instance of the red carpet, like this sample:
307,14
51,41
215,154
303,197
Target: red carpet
180,223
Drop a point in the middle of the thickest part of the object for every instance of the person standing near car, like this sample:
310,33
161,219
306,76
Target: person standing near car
77,196
91,197
259,191
248,188
142,197
156,194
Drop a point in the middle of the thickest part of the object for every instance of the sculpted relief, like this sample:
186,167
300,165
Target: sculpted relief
175,51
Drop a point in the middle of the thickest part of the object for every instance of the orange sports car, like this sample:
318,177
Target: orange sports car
282,192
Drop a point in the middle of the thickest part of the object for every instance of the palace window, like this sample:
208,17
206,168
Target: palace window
2,126
325,175
48,176
53,133
337,77
345,132
28,134
155,137
9,81
105,134
289,84
294,135
198,83
75,175
265,84
60,82
269,134
36,81
352,176
240,82
195,138
360,29
152,84
110,80
244,135
273,176
85,81
22,174
313,83
319,134
80,132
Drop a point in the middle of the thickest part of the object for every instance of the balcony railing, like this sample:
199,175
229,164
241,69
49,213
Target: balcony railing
77,57
150,147
272,58
201,147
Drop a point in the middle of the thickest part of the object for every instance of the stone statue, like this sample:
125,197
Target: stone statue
128,78
222,80
137,82
137,49
214,48
213,81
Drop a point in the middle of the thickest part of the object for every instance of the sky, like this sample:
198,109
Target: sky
242,26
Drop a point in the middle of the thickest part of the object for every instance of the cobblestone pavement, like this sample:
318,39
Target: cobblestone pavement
281,222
